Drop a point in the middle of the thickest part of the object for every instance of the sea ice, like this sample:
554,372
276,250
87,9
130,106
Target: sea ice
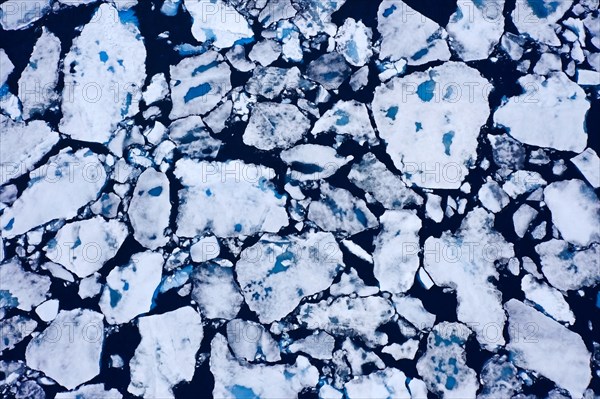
276,273
236,199
166,354
104,74
543,345
570,200
433,140
66,183
84,246
69,349
547,108
150,209
396,255
129,289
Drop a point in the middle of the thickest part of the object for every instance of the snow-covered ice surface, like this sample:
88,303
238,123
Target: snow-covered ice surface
273,199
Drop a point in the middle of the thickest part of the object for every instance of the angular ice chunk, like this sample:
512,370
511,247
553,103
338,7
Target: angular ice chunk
276,273
69,349
265,52
465,261
319,345
104,74
475,28
270,82
15,14
431,121
275,125
425,43
330,70
347,118
14,330
215,291
166,354
547,108
522,218
235,199
549,299
206,248
192,139
570,200
313,161
372,176
543,345
198,84
21,289
347,316
250,341
353,41
407,350
84,246
218,22
157,90
492,197
339,211
538,18
129,289
66,183
23,145
48,310
567,268
38,80
588,164
413,311
396,255
523,181
443,366
150,209
239,379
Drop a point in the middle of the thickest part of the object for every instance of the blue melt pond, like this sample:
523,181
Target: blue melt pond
447,140
541,8
450,382
418,126
237,227
389,11
425,90
155,192
103,56
343,119
198,91
242,392
392,112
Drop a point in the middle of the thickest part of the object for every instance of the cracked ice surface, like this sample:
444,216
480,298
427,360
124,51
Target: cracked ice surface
272,199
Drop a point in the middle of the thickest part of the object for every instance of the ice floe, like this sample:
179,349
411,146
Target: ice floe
104,74
433,140
69,349
67,182
165,356
84,246
276,273
547,108
129,289
543,345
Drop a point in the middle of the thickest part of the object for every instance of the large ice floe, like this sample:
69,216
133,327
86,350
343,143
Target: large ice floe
430,122
273,199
